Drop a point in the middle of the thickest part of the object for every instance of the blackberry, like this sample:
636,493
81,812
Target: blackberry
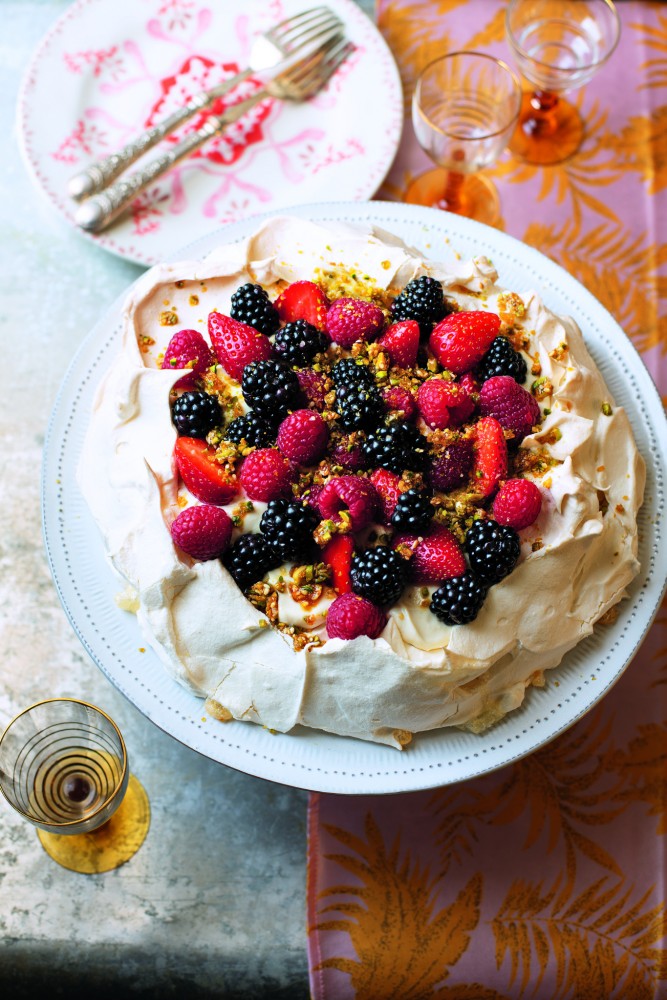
288,528
347,371
270,388
297,343
249,559
396,447
502,359
251,305
196,413
254,430
422,299
493,550
413,512
379,575
360,406
458,600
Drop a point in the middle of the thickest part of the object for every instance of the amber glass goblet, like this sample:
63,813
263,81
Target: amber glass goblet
64,768
464,109
559,45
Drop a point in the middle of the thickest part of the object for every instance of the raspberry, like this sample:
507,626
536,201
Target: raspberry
452,468
490,456
298,343
196,413
351,616
349,320
461,339
502,359
413,511
270,388
236,344
266,475
288,527
188,349
313,388
401,342
435,557
422,300
399,401
513,406
379,574
249,559
387,485
493,550
303,300
251,305
303,436
517,503
348,498
203,531
459,600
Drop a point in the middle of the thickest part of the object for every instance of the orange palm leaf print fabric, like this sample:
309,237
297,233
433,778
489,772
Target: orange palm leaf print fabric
545,879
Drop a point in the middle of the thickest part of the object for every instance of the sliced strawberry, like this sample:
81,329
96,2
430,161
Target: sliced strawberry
461,340
338,554
303,300
236,344
401,342
388,489
490,461
206,479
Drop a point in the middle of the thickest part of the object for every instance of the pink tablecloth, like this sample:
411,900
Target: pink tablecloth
546,878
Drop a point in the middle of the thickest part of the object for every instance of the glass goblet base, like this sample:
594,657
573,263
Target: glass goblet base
473,196
550,130
112,844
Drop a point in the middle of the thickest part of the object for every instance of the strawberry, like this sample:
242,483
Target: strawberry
337,554
206,479
303,300
435,557
461,340
349,320
490,460
236,344
401,342
387,486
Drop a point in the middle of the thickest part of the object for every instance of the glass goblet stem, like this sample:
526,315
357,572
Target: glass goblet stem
452,196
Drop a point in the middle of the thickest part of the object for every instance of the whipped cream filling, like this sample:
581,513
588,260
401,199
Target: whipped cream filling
577,559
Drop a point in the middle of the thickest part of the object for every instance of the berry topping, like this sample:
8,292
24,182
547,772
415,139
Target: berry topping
351,616
205,478
517,503
388,487
349,370
423,300
266,475
188,349
347,452
288,527
254,430
236,344
298,343
413,512
303,436
401,342
251,305
379,574
490,456
350,499
196,413
396,447
502,359
399,401
461,340
203,531
435,557
493,550
349,320
337,554
459,600
360,406
303,300
313,388
249,559
270,388
512,405
433,399
452,467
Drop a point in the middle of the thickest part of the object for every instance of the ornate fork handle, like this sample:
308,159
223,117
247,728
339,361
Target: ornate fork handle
101,173
97,212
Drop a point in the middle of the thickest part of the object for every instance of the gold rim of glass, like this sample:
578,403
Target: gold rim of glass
616,21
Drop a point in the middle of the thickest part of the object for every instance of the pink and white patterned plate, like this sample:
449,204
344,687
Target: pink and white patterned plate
117,66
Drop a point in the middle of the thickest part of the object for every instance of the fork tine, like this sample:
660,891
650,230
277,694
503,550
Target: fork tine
307,22
306,79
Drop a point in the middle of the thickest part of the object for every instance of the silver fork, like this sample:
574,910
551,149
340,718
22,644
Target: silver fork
286,40
299,83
